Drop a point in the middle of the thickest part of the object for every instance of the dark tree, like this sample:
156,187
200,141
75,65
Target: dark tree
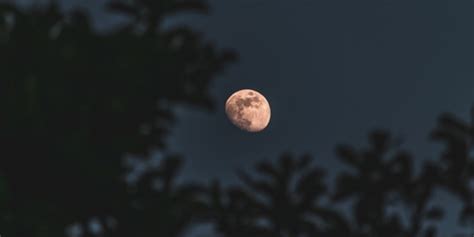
383,186
456,163
288,200
161,207
387,197
75,101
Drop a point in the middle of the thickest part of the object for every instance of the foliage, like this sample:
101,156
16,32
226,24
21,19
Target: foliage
75,101
284,203
387,196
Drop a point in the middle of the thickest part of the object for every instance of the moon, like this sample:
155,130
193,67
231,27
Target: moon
248,110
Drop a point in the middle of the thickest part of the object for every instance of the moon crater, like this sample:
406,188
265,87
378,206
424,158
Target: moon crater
248,110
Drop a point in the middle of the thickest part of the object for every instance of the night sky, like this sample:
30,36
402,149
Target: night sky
332,70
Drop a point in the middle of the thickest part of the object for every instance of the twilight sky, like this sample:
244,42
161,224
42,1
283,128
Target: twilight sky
332,70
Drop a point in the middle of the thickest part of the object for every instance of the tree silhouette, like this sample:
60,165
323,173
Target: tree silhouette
284,203
383,178
456,163
387,196
159,206
74,101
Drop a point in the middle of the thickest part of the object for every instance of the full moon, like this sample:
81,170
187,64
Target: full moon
248,110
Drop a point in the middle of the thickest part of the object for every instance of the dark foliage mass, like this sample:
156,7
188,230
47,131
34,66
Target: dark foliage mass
75,101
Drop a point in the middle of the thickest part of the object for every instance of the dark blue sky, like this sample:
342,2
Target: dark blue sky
332,71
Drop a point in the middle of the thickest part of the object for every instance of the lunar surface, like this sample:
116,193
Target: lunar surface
248,110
